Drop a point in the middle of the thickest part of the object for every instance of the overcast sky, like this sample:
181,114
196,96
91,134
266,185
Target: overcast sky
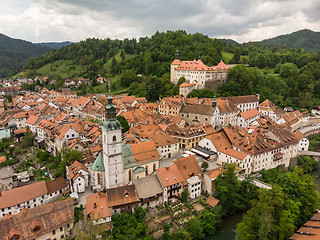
75,20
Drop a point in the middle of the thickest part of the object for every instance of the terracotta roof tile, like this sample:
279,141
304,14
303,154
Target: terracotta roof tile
250,113
49,216
145,151
19,195
32,119
169,175
97,206
122,195
56,185
212,202
267,104
161,138
185,84
188,167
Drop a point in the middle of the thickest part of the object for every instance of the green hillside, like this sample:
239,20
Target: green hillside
305,39
14,54
55,45
148,56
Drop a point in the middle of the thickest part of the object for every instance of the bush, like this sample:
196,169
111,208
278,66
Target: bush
307,163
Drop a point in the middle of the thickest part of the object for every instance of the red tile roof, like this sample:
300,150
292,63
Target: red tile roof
185,84
145,151
188,167
97,206
32,119
250,113
169,175
267,104
47,217
212,202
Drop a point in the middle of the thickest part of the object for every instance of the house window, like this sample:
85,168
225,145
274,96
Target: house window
114,138
154,167
146,170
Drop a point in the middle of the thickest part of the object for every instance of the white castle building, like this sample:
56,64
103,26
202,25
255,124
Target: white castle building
197,72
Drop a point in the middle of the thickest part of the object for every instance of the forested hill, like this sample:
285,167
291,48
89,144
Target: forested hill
14,54
147,56
55,45
306,39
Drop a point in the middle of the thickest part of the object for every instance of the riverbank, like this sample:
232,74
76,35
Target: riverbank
228,229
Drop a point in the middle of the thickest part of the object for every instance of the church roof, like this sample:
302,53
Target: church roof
128,157
111,124
98,163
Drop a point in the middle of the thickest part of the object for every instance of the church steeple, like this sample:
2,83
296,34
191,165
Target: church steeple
214,101
177,54
110,109
111,122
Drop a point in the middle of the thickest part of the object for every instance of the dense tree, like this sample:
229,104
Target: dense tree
287,70
124,123
278,212
307,163
209,222
204,165
234,194
68,158
202,93
185,195
130,226
194,228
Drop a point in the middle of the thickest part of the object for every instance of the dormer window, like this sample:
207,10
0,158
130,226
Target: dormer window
126,194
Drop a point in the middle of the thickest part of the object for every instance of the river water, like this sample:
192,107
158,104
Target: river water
228,228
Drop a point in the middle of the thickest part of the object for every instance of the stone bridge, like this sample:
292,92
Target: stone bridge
314,155
256,182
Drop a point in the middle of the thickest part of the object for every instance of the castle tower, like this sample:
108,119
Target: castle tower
176,62
112,147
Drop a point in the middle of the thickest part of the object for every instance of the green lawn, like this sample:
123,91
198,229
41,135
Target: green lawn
107,65
69,68
117,89
226,57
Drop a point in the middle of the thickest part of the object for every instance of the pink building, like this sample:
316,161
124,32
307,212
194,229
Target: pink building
171,182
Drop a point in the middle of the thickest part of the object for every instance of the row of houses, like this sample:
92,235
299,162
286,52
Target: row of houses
164,184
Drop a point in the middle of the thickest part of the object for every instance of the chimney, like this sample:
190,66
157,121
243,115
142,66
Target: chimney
258,96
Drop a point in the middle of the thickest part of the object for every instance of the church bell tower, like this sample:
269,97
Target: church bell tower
112,147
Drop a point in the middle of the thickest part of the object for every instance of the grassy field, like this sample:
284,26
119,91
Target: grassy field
69,68
115,89
226,57
107,65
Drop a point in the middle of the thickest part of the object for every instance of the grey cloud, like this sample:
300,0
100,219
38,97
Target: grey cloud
134,18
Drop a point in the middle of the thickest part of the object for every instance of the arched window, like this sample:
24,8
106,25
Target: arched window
114,138
146,170
98,178
154,167
130,175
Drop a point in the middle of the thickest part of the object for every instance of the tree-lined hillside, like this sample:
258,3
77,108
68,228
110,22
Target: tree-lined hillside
305,39
148,56
14,54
